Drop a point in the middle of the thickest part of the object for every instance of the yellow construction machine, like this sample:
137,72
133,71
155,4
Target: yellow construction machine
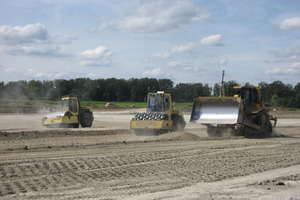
161,116
242,114
73,115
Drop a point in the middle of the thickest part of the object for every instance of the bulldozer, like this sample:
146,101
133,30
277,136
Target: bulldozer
161,116
244,114
73,115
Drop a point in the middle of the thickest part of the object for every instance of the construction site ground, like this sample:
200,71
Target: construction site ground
108,161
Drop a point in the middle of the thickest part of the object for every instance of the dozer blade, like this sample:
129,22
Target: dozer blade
216,110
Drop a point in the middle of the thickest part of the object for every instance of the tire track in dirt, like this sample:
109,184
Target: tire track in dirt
124,173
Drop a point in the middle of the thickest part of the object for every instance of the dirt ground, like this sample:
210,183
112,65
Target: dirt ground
108,161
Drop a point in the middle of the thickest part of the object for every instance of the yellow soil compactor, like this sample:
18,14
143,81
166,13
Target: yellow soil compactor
161,116
73,115
243,114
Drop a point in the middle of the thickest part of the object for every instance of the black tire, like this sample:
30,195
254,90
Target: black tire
178,124
86,120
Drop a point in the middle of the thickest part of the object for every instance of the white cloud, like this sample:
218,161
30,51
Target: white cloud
223,61
153,72
91,75
32,39
276,70
294,69
35,49
100,56
290,23
32,73
160,56
40,75
99,52
23,34
64,39
183,48
212,40
46,50
186,47
153,16
60,74
95,63
177,64
287,55
9,70
156,72
191,69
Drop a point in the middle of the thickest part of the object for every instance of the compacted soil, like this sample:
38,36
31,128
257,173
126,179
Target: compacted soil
108,161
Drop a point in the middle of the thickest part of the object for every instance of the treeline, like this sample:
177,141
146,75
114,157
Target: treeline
135,90
112,89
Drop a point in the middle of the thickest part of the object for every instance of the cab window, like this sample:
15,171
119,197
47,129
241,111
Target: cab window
154,104
254,95
65,103
74,105
166,103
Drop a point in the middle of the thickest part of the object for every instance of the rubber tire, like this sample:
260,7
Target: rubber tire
178,124
86,120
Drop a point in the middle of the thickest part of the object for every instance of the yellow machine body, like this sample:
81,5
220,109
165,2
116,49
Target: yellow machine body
154,125
58,120
161,115
73,115
244,109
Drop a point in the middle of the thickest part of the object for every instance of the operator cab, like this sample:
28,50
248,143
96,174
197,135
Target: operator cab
247,94
157,102
70,104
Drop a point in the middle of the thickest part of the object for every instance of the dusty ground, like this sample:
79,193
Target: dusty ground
107,161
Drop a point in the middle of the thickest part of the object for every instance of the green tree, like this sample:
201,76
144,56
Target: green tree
122,90
229,91
164,84
266,93
136,91
216,89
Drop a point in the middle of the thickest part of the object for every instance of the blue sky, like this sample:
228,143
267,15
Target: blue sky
186,41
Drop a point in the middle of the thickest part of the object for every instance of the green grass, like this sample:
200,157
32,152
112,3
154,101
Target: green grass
293,110
119,104
184,104
129,104
23,105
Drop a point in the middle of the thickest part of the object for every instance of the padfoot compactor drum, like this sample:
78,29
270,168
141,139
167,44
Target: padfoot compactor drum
161,116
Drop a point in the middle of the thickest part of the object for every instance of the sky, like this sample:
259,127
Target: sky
187,41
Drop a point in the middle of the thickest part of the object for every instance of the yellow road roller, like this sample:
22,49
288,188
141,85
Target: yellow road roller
73,114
